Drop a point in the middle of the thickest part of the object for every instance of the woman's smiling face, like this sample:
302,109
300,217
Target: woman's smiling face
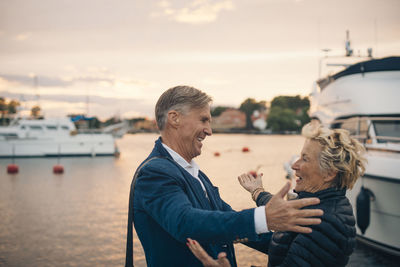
310,178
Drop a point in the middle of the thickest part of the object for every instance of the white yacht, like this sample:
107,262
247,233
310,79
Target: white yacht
365,99
52,138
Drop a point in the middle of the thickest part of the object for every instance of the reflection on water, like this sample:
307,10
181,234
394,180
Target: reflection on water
79,218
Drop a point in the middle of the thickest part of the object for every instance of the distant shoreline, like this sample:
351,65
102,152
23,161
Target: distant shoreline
231,131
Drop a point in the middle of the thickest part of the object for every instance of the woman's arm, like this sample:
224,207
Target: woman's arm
252,184
255,187
205,259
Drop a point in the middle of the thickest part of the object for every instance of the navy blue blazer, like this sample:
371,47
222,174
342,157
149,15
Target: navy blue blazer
170,205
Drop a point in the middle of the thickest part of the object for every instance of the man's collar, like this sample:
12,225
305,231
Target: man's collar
182,162
175,156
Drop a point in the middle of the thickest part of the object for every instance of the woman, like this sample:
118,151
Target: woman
330,163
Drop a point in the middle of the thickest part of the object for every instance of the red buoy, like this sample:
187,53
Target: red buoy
245,149
58,169
253,173
12,168
217,154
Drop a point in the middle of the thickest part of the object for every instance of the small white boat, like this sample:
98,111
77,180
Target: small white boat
365,99
52,138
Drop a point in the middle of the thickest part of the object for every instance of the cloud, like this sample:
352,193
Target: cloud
103,95
23,36
43,81
47,81
197,12
103,107
237,57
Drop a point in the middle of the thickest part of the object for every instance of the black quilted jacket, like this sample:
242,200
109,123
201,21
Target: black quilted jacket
330,243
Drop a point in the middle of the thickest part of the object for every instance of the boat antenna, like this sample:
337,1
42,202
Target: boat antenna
36,86
369,50
349,50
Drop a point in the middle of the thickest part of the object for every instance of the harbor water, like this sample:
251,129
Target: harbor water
79,218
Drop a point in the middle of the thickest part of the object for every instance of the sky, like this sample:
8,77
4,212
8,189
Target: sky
115,58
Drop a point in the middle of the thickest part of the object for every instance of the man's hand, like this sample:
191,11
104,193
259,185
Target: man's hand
285,215
249,182
205,259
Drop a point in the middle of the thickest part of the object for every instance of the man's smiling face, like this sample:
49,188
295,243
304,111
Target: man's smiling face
194,126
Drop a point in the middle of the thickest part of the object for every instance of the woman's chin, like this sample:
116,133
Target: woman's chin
298,189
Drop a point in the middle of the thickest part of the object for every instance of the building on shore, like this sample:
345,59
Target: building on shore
229,119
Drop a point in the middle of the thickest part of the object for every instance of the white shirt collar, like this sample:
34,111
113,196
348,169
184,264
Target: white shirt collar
192,167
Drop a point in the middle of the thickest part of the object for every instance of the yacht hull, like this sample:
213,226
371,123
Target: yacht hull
382,231
364,100
78,145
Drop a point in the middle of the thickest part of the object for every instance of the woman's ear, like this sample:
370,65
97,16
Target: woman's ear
330,176
173,118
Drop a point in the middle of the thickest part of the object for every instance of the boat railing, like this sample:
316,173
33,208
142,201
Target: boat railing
381,138
373,131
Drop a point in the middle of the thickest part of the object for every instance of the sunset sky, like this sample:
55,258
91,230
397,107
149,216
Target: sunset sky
120,55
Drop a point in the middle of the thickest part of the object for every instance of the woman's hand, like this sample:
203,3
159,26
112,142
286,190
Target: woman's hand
205,259
249,182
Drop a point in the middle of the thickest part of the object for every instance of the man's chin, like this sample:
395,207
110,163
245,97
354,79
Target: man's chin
197,153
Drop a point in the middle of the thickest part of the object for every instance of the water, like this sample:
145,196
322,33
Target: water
79,218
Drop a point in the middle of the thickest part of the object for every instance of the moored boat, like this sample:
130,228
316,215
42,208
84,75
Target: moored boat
52,138
364,99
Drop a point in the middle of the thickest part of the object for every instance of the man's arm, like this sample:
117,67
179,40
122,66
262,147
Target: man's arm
283,215
163,197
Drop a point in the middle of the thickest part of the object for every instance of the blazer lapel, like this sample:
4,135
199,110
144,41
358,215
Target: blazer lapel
191,181
210,191
197,190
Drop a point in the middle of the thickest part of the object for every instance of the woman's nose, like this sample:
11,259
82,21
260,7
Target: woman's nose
295,165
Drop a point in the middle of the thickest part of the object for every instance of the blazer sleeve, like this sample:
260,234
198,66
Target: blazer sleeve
161,194
261,244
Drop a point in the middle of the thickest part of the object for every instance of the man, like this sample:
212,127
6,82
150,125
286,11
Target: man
172,200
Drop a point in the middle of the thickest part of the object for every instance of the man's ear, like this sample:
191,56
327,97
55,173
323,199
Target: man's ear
173,118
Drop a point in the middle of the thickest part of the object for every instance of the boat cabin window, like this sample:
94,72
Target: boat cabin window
64,127
356,126
9,135
23,127
387,131
35,127
51,127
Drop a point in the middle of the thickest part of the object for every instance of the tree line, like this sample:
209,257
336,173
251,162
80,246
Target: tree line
286,113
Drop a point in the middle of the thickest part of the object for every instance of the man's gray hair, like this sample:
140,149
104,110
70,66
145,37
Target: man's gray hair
180,98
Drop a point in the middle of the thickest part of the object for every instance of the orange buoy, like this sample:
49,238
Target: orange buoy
245,149
12,168
217,154
58,169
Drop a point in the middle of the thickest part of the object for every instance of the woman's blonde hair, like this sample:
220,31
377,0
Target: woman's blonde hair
340,153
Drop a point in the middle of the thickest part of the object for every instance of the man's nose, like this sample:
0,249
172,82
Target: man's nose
208,130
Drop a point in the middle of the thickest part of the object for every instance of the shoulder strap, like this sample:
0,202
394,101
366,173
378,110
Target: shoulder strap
129,237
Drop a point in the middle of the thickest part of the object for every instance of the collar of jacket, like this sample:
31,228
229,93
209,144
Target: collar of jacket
323,194
159,150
